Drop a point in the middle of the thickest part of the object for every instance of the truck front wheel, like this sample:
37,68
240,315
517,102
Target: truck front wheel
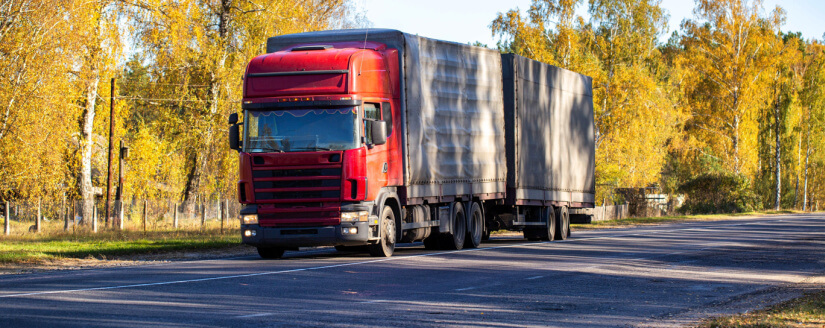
386,245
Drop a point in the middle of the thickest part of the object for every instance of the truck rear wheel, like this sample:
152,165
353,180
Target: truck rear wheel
475,227
270,252
562,223
549,215
386,245
455,240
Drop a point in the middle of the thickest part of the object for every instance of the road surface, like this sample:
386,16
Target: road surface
645,276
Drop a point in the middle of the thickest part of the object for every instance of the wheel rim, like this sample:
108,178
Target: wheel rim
389,232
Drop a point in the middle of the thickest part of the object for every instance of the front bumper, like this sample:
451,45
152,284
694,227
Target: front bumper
291,238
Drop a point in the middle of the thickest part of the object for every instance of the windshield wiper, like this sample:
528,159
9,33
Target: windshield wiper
311,148
270,149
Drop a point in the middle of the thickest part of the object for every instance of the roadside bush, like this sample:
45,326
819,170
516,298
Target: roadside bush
718,193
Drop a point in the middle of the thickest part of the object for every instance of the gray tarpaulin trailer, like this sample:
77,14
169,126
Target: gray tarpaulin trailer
550,137
489,141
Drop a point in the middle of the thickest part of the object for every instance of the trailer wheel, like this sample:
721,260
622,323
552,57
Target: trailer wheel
270,252
562,223
455,240
386,245
475,227
549,214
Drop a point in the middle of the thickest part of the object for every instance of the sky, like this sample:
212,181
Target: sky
467,21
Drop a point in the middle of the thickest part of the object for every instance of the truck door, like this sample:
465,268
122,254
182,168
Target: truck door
377,159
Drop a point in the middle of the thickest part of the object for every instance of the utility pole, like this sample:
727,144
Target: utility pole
111,151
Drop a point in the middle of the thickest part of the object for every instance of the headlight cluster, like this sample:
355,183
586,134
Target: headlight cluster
355,216
249,218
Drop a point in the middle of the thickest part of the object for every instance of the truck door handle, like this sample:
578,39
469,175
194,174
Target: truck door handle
384,169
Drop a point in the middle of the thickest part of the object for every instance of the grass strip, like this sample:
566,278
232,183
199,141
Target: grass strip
36,249
633,221
806,311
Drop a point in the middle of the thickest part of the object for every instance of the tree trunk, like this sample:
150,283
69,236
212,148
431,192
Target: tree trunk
735,142
805,188
798,164
193,181
777,153
86,147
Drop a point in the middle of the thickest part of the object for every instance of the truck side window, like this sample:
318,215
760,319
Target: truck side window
387,116
371,112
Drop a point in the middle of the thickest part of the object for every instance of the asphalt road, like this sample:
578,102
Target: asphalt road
646,276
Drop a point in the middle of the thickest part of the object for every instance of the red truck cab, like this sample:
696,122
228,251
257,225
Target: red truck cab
318,144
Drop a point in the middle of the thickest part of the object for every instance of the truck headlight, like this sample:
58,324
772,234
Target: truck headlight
354,216
249,218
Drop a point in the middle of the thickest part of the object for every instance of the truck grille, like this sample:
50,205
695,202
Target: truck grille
296,196
297,184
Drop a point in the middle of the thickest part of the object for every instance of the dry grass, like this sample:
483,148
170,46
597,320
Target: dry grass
806,311
629,222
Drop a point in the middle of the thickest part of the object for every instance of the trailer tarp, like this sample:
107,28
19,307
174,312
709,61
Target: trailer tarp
550,134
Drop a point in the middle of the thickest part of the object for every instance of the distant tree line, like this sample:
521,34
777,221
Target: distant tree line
730,101
728,111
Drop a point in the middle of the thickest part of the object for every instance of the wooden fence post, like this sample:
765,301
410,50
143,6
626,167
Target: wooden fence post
221,209
6,226
94,216
37,220
203,214
175,216
119,213
145,203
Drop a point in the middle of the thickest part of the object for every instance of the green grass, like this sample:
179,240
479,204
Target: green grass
672,219
31,248
806,311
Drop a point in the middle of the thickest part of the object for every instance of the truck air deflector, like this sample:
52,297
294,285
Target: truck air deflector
299,104
336,71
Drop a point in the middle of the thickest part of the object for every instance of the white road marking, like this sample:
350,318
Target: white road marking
463,289
534,278
373,301
398,258
254,315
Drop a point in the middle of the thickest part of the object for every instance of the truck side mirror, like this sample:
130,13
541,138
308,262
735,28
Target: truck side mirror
234,132
378,132
235,137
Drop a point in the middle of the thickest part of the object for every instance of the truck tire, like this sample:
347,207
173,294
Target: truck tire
455,240
270,252
562,223
386,244
549,215
475,227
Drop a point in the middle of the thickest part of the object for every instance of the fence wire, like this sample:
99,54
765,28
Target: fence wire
33,216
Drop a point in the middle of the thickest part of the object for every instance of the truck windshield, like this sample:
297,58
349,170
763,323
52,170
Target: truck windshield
300,130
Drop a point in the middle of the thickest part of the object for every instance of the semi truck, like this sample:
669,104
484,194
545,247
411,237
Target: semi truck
365,138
